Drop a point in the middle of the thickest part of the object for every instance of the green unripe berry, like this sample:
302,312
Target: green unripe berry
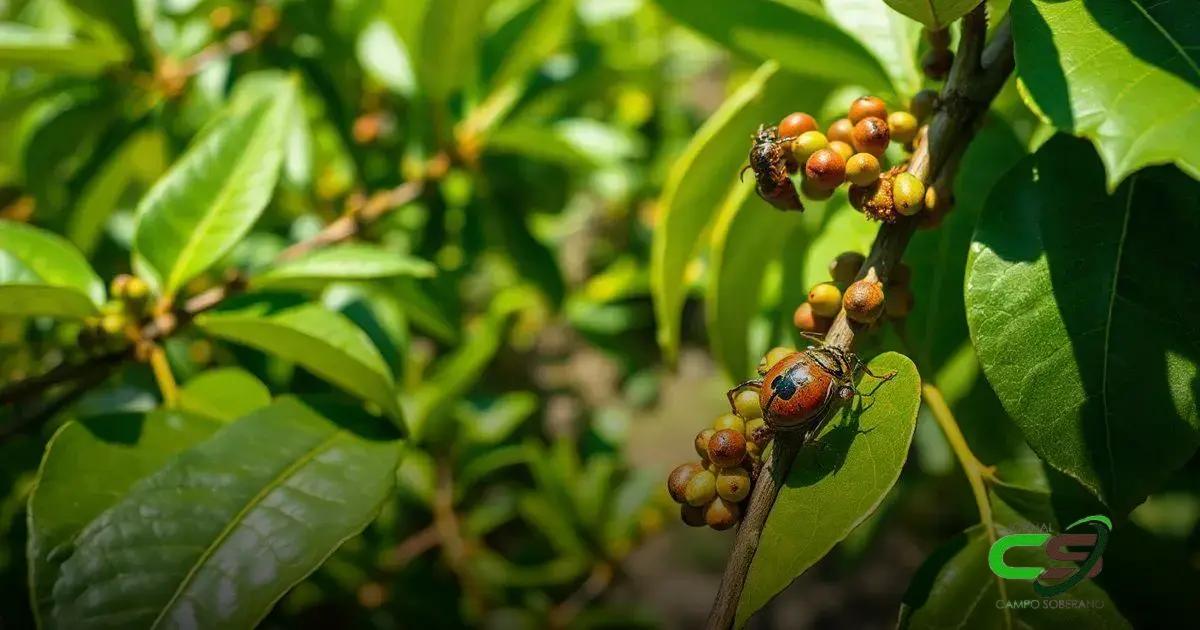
732,422
678,479
727,448
116,288
747,405
733,484
691,515
864,301
923,104
908,193
844,268
773,356
721,514
136,289
902,126
702,442
112,323
862,169
807,144
826,299
700,489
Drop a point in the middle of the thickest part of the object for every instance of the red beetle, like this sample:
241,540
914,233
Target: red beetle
802,386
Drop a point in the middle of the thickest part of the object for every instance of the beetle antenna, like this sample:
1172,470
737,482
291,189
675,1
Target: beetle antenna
814,336
742,173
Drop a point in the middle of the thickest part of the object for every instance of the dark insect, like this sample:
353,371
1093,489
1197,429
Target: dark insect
797,391
768,160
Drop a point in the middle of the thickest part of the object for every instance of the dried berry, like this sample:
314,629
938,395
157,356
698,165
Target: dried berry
727,448
844,268
902,126
825,169
875,200
721,514
701,488
733,484
807,144
863,301
702,442
806,320
826,299
773,356
746,403
871,135
678,479
867,107
908,193
730,421
840,131
862,169
795,124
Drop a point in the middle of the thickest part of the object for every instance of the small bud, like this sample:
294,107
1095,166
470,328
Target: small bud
840,131
721,514
746,403
867,107
862,169
116,288
773,356
700,489
678,479
864,301
826,299
908,193
871,135
730,421
113,323
795,124
733,484
727,448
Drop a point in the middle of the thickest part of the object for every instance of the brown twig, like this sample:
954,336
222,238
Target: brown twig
976,77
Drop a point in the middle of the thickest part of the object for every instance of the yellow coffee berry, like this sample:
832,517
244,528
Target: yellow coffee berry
730,421
807,144
908,193
747,405
862,169
902,126
826,299
733,484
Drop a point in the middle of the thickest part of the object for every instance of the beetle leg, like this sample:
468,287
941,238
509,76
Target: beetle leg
886,377
737,389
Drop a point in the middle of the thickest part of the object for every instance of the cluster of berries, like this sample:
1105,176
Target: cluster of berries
864,300
851,151
714,490
110,329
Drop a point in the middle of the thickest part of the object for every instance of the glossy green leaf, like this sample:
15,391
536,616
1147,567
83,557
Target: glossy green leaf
541,30
934,14
747,235
1123,73
695,187
88,467
141,160
122,16
43,274
450,39
800,38
892,38
25,47
350,261
212,196
836,482
384,57
224,394
224,529
321,341
1074,299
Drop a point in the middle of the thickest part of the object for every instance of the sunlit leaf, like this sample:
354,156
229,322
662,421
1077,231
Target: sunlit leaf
350,261
223,394
25,47
43,274
934,14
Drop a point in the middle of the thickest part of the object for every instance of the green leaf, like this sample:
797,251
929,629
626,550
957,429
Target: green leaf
43,274
539,31
122,16
141,160
1074,299
25,47
934,14
746,236
224,394
696,185
450,40
1123,73
385,58
88,467
213,195
222,531
323,342
799,38
350,261
892,38
837,482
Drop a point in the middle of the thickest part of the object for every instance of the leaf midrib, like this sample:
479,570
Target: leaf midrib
1170,38
253,503
1112,300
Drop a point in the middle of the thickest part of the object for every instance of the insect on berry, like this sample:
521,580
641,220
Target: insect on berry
797,391
768,160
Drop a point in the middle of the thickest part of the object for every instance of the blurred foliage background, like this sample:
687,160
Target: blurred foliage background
543,411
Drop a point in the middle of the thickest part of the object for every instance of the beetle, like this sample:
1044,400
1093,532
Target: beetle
799,389
769,161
